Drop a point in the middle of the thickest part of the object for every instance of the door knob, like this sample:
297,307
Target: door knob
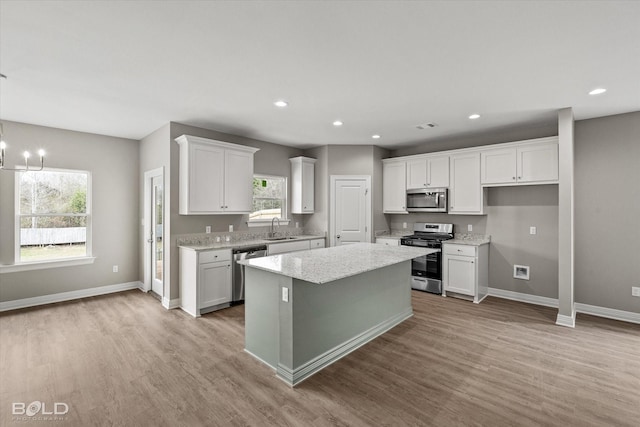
338,236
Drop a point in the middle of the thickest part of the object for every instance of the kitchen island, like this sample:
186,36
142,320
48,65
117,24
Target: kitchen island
305,310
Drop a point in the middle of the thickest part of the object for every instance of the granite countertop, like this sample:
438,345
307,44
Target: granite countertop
238,244
469,239
326,265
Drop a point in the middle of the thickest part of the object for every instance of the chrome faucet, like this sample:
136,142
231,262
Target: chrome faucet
273,233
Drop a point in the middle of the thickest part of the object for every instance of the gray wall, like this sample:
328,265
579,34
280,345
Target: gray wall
347,160
607,205
510,213
113,163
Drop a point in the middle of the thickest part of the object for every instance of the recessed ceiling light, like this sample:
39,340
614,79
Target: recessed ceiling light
281,103
597,91
375,136
474,116
337,123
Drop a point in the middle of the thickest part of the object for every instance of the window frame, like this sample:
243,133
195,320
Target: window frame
54,262
285,208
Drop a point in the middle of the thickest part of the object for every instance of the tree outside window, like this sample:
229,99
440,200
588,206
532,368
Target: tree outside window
269,198
53,215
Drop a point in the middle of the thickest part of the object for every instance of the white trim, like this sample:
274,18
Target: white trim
332,204
301,373
609,313
593,310
170,304
527,298
66,296
43,265
568,321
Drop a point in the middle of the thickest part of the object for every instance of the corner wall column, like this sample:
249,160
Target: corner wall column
566,309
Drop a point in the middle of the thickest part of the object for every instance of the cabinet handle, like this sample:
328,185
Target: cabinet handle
519,177
471,262
513,178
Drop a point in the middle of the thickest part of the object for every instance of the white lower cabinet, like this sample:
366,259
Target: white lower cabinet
205,280
465,271
389,241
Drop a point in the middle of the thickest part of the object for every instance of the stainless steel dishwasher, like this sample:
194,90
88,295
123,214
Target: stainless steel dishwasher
237,295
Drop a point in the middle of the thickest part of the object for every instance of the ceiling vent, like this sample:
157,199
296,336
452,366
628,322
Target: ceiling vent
426,126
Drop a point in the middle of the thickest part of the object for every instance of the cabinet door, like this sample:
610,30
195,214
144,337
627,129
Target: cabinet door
465,192
238,182
538,162
308,173
214,284
394,188
498,166
206,178
460,275
417,173
438,172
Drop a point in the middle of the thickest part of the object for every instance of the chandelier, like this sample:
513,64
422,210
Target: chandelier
26,156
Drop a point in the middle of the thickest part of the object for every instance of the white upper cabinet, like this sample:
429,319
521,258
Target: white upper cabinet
429,172
215,177
394,187
525,163
302,185
466,195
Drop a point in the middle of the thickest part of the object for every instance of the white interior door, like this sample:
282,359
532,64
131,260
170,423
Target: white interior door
154,265
350,210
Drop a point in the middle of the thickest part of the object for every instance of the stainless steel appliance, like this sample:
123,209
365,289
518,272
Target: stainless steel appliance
427,200
426,271
237,276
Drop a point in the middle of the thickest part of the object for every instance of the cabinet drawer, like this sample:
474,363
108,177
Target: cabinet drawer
387,241
461,250
316,243
214,256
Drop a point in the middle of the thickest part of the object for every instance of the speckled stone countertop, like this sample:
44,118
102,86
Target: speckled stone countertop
245,243
469,239
329,264
394,234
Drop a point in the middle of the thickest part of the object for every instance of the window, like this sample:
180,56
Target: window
269,198
53,220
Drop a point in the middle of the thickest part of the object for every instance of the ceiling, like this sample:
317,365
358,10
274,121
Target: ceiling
127,68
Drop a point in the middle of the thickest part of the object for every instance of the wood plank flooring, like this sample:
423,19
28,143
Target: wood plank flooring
123,360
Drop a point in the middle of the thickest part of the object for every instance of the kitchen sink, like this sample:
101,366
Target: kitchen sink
279,238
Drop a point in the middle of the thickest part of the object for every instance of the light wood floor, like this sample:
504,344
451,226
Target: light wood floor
122,359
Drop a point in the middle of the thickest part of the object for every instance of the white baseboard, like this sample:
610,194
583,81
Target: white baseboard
67,296
170,304
568,321
594,310
528,298
609,313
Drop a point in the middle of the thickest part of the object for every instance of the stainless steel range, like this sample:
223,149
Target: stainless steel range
426,271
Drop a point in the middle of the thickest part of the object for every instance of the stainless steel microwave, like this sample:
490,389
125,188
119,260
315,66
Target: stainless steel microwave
427,200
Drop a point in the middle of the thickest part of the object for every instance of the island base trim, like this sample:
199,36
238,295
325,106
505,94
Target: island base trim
297,375
259,359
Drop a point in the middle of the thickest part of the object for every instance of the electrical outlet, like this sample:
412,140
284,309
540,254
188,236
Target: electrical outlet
635,291
285,294
230,228
115,268
207,229
297,224
227,238
469,227
404,225
533,230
